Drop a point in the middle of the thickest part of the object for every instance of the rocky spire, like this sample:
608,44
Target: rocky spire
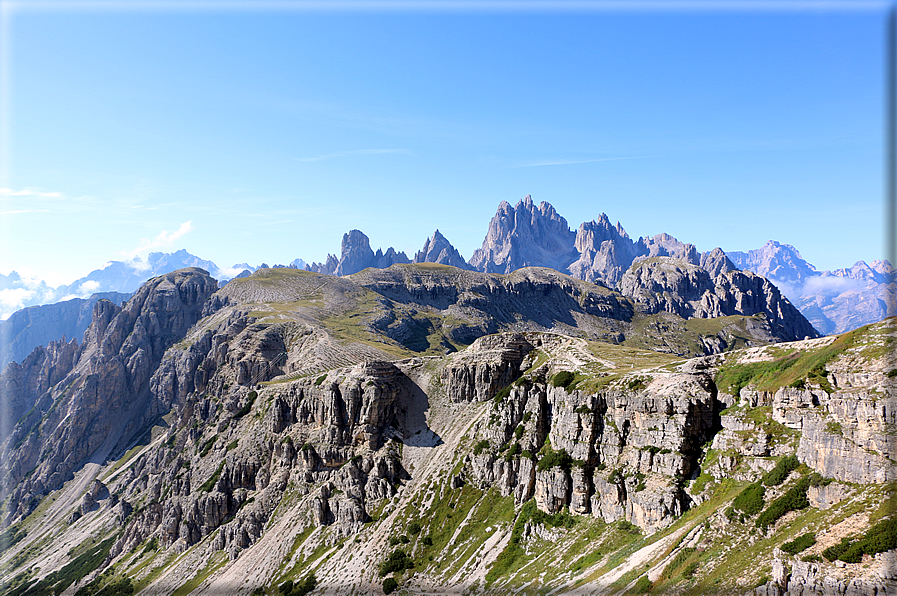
439,250
525,236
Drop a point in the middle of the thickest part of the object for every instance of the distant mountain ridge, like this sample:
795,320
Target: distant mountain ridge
834,301
526,235
533,235
125,277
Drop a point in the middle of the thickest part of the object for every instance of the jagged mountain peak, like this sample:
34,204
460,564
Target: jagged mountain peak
523,236
356,254
437,249
774,259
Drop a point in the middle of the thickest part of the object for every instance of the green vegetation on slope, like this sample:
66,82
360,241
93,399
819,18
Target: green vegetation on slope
799,368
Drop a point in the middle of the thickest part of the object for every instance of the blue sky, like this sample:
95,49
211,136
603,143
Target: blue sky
245,135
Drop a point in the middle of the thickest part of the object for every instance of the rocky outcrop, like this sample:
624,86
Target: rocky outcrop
605,252
334,431
108,388
439,250
665,284
617,454
488,365
716,262
355,255
25,388
37,326
842,425
809,579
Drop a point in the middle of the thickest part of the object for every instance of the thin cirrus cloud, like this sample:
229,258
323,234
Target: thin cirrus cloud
19,211
164,238
566,162
338,154
29,192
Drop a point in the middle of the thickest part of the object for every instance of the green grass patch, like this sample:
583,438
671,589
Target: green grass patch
10,536
396,562
563,379
799,544
57,582
879,538
553,459
808,366
794,499
247,407
207,446
509,558
642,585
778,474
678,561
480,447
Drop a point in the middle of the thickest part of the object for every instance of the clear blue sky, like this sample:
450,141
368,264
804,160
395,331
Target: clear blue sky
274,132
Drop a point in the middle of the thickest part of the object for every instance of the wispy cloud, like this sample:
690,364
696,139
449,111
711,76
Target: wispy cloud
566,162
350,153
18,211
164,238
29,192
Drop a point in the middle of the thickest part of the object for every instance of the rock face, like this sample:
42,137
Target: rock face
490,363
39,325
605,252
25,387
664,284
598,252
524,236
108,387
439,250
355,255
624,451
310,433
833,301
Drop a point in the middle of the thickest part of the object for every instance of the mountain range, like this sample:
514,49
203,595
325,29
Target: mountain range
520,236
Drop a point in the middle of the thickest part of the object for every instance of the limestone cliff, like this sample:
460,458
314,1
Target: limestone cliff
84,412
